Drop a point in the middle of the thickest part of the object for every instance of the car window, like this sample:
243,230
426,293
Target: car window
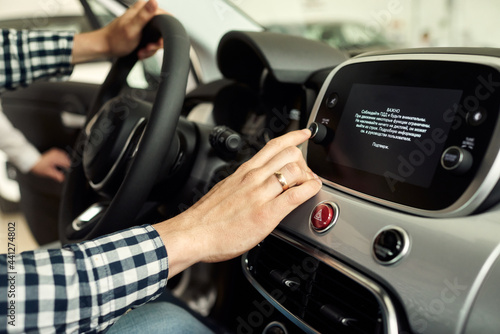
138,78
146,73
31,14
70,15
365,25
73,23
67,15
100,12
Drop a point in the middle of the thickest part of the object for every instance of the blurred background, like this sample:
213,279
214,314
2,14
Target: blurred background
357,25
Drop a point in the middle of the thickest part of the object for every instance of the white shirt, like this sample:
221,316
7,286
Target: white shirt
17,148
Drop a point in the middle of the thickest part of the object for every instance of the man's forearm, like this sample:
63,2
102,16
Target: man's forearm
89,46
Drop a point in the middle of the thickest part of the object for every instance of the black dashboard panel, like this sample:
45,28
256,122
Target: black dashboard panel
290,59
415,132
275,79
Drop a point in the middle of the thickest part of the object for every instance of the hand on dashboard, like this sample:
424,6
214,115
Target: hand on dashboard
243,209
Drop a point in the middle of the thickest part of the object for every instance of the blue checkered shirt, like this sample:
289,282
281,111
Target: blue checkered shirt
26,56
82,288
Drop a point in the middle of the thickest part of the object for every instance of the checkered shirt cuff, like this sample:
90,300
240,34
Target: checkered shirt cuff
86,287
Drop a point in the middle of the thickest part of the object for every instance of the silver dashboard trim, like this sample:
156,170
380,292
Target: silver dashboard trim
98,186
474,290
486,178
388,308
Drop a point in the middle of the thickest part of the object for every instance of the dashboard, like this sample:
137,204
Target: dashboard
404,235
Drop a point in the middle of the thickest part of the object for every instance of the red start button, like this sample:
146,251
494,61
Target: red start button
324,216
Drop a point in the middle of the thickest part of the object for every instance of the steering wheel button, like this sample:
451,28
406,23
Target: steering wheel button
324,216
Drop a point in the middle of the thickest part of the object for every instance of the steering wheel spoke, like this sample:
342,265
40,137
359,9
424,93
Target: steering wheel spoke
88,218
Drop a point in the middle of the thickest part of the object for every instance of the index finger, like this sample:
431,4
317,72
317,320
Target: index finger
277,145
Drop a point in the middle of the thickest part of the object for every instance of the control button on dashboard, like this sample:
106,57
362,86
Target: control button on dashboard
456,159
332,100
476,117
390,245
324,216
320,134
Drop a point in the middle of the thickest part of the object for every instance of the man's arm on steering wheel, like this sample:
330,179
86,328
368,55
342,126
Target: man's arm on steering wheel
120,37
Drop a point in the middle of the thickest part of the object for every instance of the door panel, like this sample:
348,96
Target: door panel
42,110
50,115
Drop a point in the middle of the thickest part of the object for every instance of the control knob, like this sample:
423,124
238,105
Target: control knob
226,142
320,134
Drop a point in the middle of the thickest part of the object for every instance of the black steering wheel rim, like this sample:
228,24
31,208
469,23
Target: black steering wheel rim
155,142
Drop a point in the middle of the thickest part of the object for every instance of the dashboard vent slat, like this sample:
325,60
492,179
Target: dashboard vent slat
319,295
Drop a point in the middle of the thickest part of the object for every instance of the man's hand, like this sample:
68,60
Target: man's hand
52,164
243,209
120,37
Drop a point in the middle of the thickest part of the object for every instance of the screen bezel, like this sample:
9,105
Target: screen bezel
445,188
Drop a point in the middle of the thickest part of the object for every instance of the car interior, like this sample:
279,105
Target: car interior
403,236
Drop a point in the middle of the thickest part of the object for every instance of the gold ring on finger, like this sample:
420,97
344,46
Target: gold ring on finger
281,180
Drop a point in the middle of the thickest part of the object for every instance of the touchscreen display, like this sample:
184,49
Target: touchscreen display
397,132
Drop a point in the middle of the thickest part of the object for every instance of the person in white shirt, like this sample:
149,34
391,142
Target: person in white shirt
26,157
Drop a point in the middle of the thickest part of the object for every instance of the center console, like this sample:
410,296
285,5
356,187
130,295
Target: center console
403,236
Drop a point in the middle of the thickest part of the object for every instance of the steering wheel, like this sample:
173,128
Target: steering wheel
125,142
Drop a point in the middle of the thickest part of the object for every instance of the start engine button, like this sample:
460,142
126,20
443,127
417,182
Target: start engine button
324,216
457,160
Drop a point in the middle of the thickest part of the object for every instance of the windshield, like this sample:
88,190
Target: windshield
364,25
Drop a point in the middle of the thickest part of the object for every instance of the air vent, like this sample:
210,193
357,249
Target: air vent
317,295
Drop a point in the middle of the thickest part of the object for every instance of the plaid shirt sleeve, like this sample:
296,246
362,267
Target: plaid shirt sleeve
26,56
83,287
